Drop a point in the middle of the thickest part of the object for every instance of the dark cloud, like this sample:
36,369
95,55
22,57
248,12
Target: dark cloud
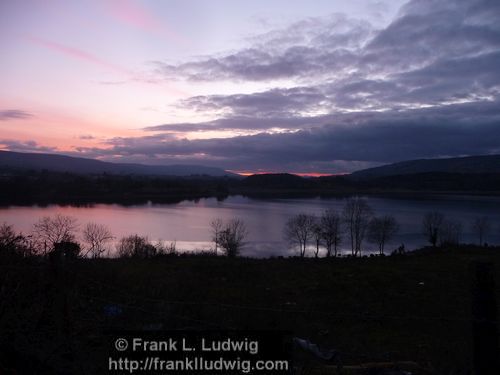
353,140
438,30
315,46
238,123
277,108
24,146
427,85
281,102
434,53
337,46
14,114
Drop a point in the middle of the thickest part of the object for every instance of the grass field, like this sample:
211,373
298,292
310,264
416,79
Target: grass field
415,307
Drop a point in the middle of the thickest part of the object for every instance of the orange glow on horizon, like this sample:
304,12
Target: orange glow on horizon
301,174
318,174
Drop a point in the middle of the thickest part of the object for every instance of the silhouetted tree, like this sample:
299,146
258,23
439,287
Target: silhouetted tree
50,230
451,232
164,249
356,214
66,250
135,246
232,236
317,234
381,230
331,231
299,230
12,243
96,236
432,226
481,226
216,226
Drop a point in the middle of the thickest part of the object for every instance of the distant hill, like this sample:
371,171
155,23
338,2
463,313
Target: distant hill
276,180
63,163
488,164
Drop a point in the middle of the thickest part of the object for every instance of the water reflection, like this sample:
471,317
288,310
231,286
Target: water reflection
187,222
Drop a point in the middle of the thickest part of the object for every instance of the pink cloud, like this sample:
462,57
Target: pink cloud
138,16
79,54
82,55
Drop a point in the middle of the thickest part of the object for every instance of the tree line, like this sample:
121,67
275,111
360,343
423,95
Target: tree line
25,186
301,230
442,231
352,227
58,236
355,223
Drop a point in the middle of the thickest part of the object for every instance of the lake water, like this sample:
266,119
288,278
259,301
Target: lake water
188,222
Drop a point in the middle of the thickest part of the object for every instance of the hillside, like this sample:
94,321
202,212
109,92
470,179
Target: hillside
487,164
63,163
276,180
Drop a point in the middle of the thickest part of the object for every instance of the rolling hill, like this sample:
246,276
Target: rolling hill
276,181
487,164
63,163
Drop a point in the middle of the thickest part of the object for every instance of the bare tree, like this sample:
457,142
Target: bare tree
381,230
8,237
96,236
356,214
331,231
451,232
135,246
232,236
481,226
165,249
12,242
432,226
298,230
216,226
317,234
51,230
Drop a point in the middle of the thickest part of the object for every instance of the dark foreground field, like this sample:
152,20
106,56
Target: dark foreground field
415,307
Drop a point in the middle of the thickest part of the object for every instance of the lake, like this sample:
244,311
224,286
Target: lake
188,222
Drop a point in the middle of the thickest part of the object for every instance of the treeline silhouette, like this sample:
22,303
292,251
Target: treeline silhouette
61,236
355,223
52,187
42,187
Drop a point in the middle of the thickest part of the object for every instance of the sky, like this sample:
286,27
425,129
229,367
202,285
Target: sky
300,86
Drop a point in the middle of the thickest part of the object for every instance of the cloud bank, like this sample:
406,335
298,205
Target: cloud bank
344,94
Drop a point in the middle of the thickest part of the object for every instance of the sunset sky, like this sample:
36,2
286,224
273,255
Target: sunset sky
312,86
